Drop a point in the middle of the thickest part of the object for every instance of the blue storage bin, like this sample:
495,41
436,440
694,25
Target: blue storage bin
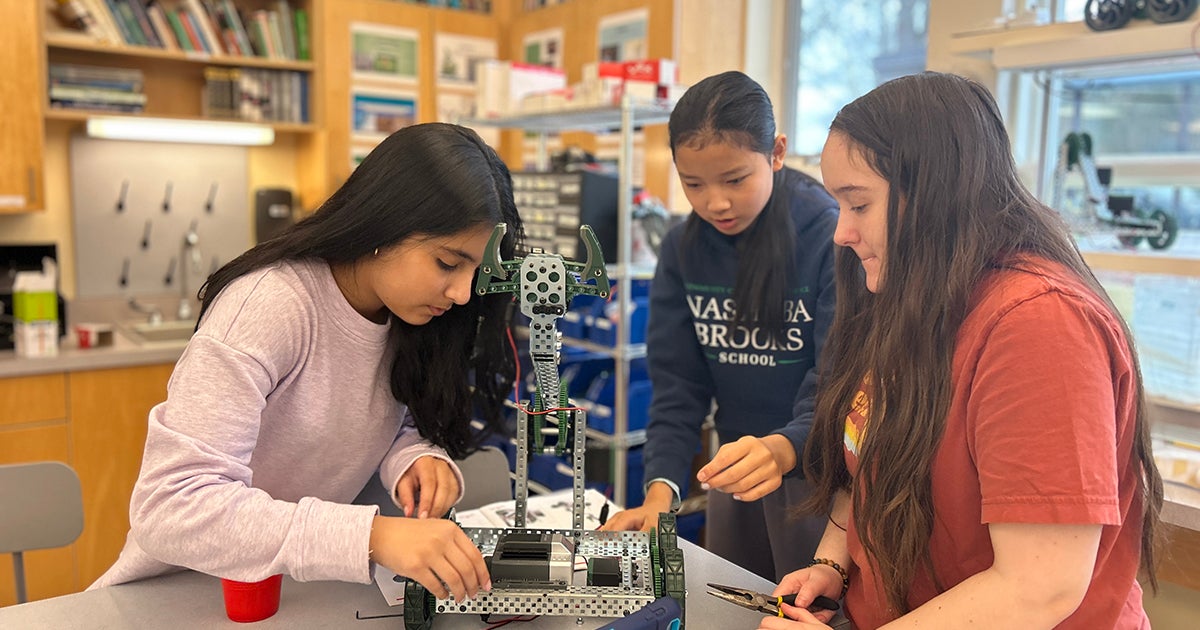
601,415
635,470
603,331
599,474
550,471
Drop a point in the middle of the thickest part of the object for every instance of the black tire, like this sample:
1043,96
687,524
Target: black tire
1129,242
418,607
1163,11
1170,230
1107,15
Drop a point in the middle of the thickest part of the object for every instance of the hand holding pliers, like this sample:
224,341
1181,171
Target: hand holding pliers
770,604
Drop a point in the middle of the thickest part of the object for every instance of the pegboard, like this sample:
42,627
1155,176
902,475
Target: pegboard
133,204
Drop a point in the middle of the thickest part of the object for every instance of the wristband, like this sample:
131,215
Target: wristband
837,567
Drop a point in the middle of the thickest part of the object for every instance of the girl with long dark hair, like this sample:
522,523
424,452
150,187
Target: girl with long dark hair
352,344
981,429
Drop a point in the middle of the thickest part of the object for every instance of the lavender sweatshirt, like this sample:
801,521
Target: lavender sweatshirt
277,415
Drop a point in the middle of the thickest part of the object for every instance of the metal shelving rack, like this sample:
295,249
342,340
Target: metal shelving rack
623,118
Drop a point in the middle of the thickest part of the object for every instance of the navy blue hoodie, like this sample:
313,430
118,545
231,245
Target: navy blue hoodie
696,354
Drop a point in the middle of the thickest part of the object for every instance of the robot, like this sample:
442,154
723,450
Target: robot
534,571
1129,223
1107,15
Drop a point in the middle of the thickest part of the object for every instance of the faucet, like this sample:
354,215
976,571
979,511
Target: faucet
187,250
155,315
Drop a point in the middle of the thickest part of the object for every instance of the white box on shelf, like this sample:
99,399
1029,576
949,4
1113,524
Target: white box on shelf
503,85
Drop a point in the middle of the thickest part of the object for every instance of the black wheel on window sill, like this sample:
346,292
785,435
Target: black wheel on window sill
1107,15
1129,242
1163,11
1170,230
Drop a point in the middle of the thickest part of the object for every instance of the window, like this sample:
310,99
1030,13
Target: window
1143,121
840,50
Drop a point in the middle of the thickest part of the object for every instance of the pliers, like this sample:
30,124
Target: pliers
770,604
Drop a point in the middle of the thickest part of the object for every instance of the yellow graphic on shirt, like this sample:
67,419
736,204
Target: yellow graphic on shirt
856,422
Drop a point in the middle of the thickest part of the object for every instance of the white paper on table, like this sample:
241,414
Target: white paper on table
390,585
542,511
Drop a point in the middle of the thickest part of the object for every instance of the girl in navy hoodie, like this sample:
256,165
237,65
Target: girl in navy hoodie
740,306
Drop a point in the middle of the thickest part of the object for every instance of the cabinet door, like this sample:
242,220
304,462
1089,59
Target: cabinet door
21,102
48,572
33,399
108,411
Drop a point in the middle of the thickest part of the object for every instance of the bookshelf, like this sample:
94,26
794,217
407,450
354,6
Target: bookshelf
176,74
71,41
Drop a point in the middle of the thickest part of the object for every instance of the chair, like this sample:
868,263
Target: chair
485,475
41,507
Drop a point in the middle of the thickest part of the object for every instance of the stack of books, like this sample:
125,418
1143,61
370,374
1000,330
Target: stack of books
93,87
256,94
212,27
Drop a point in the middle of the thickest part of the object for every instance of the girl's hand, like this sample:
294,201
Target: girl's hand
434,552
641,518
750,468
433,481
644,518
803,619
807,583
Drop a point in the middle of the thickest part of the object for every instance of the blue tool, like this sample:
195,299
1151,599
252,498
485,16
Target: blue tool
660,614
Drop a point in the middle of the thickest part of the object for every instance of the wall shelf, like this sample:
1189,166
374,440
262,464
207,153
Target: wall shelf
1073,44
62,41
595,119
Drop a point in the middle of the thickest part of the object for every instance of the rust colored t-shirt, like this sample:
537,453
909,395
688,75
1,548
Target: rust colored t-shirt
1040,430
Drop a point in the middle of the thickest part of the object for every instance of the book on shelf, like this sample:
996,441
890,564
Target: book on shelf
95,87
158,19
254,94
216,27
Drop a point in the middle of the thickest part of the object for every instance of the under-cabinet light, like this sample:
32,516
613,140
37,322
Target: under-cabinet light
172,130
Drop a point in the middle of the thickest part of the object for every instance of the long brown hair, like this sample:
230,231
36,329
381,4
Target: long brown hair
940,143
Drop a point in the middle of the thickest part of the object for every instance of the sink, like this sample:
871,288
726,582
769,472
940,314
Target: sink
178,330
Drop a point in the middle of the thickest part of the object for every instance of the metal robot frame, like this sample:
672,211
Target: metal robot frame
533,570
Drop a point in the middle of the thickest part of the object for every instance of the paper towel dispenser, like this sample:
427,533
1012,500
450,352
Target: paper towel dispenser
272,212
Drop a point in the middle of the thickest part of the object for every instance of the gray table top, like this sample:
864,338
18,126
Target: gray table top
193,600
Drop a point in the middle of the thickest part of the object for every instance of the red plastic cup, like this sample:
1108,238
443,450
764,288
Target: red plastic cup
252,601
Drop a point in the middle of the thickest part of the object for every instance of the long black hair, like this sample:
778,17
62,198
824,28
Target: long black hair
425,180
956,212
731,108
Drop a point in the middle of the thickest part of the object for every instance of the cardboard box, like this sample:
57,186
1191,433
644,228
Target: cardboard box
656,71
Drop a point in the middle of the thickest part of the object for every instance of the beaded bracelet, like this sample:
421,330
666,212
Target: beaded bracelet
837,567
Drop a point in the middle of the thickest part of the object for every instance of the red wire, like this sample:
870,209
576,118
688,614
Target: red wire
531,412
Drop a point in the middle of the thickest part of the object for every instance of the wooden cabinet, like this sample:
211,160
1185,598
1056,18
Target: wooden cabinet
21,97
108,411
33,427
96,422
39,398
